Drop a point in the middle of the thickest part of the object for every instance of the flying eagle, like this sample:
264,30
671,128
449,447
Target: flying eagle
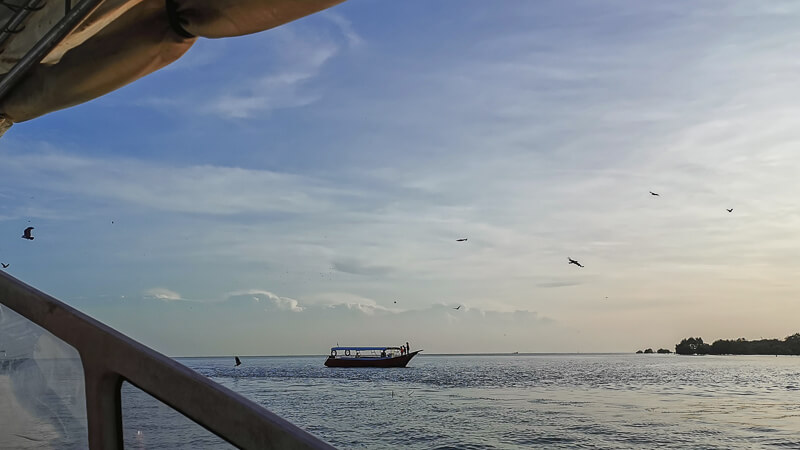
572,261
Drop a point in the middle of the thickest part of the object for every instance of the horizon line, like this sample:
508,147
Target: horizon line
421,354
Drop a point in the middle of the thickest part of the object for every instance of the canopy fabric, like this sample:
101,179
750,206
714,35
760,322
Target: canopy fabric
124,40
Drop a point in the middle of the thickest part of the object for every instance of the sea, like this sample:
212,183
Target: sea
519,401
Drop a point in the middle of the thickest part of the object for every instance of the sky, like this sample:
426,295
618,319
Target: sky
283,192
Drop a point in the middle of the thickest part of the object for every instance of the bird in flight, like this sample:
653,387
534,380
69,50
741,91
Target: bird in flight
5,266
461,240
27,234
457,308
572,261
238,362
653,193
729,210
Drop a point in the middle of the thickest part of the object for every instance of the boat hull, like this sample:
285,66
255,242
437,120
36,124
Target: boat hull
398,361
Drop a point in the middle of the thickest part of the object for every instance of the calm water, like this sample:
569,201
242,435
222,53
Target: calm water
519,401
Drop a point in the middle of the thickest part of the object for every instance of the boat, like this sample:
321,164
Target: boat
369,357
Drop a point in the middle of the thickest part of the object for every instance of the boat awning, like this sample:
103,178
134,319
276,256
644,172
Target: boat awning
52,59
361,348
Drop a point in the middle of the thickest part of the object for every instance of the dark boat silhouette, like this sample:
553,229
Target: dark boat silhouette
374,357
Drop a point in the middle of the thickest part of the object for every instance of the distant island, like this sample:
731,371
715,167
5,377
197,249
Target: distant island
650,350
741,346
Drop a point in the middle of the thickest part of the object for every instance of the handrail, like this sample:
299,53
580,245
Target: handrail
56,34
17,19
109,358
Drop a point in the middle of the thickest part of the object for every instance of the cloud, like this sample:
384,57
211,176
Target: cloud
162,294
558,284
261,322
298,56
190,189
266,299
353,266
345,28
348,302
278,91
275,70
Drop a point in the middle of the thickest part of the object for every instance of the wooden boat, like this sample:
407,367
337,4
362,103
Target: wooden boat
369,357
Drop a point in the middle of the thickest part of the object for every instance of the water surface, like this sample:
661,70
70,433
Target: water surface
515,401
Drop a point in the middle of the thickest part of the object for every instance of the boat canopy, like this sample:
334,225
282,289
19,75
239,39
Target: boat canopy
54,59
360,349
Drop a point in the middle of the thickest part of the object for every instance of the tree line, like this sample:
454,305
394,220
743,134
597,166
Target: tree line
741,346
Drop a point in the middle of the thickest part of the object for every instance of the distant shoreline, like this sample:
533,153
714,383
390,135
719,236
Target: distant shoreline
790,346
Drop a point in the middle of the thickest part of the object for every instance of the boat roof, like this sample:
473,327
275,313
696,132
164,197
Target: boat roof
362,348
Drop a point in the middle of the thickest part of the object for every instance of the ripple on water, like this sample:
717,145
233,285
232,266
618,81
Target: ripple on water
540,401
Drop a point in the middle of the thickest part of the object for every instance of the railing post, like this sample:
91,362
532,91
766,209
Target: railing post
103,407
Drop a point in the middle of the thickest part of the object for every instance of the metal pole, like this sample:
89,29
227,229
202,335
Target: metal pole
46,43
17,19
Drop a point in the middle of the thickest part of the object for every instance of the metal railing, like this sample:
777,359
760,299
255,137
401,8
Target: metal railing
60,30
15,23
109,358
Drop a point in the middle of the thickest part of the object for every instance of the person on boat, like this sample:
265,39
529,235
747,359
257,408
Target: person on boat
408,348
383,353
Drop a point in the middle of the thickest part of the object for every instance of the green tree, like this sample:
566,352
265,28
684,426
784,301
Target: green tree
792,344
692,346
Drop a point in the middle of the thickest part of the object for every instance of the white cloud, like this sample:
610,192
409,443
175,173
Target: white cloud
191,189
266,299
241,324
162,294
298,56
344,301
345,28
